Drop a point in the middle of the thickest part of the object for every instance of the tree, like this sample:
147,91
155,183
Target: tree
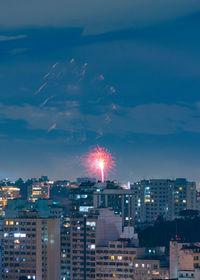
19,182
189,214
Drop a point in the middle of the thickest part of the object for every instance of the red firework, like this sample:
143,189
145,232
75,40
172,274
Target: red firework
98,162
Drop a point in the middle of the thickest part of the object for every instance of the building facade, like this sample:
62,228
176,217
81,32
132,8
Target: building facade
184,260
88,230
120,200
163,197
122,260
31,247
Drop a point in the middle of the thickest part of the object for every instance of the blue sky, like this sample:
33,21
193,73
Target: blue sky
125,76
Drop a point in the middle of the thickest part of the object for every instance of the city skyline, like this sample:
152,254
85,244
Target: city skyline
99,140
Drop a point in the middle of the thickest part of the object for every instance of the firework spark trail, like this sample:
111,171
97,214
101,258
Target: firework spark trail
46,75
45,101
98,162
40,88
83,70
52,127
112,89
54,65
69,76
71,61
99,133
107,118
113,107
100,77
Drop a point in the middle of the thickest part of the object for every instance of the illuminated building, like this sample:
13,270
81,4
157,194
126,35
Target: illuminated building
65,253
88,230
163,197
120,200
122,260
82,196
115,260
105,195
6,193
198,201
31,247
39,190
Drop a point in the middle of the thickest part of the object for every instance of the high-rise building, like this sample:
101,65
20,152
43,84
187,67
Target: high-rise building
31,247
119,199
39,190
82,196
65,253
163,197
89,230
105,195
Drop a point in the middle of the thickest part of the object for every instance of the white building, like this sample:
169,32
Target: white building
184,260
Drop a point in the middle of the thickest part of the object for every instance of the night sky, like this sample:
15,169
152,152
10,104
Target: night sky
121,74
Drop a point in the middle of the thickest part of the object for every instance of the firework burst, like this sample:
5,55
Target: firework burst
98,162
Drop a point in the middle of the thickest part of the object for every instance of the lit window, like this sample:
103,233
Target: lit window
11,223
112,258
119,258
136,265
92,224
19,235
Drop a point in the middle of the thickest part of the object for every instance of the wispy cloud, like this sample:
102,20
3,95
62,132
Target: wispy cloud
155,119
11,38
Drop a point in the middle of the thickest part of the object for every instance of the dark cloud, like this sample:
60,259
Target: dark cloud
155,119
93,16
